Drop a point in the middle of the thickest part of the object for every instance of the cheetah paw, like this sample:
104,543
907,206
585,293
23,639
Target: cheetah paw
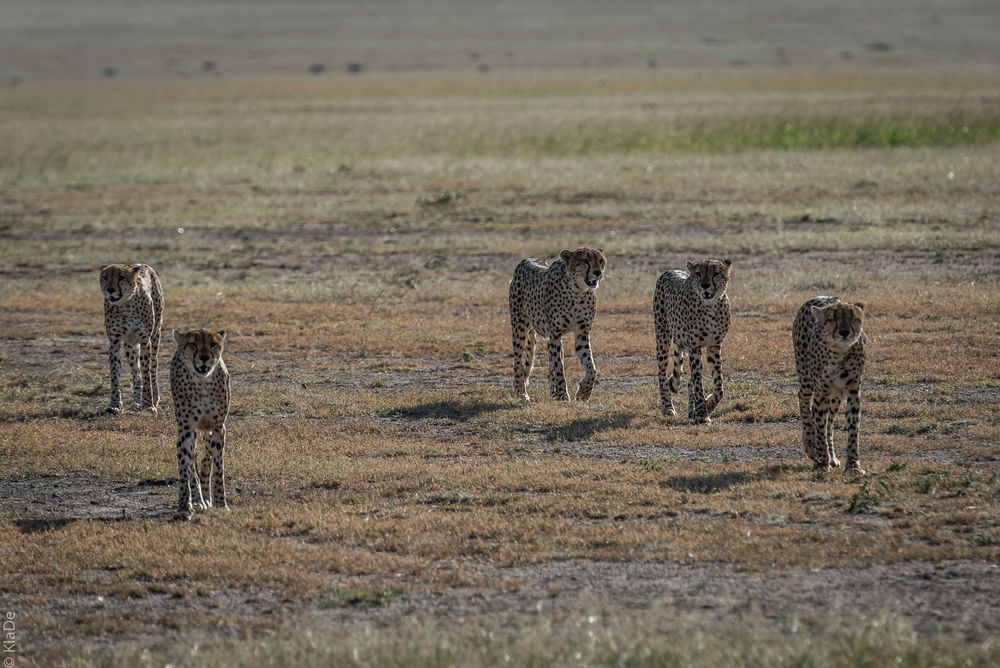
183,515
113,410
704,419
668,412
855,470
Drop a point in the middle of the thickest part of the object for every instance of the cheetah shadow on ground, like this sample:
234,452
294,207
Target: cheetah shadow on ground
88,414
52,502
450,409
583,428
718,482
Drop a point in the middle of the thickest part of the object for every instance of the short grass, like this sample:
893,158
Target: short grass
357,247
592,637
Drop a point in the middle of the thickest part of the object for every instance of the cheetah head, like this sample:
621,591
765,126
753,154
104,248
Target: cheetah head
119,282
201,349
586,266
711,278
840,323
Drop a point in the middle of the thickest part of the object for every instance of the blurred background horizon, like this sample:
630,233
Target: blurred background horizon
64,40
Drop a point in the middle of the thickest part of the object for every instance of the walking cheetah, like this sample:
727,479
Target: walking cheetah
133,316
691,313
551,301
199,384
829,360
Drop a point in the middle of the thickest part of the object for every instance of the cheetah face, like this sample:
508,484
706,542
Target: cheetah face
119,282
586,266
711,278
201,349
840,324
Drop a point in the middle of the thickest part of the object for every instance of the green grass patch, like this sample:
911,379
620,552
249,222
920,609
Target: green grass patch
754,134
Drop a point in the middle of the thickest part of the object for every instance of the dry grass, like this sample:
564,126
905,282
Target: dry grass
375,452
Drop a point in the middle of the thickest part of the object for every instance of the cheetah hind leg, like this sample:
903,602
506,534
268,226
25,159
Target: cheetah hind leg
672,369
678,371
523,339
828,432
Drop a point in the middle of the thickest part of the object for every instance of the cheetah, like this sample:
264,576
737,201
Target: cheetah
133,316
691,313
829,359
199,384
550,301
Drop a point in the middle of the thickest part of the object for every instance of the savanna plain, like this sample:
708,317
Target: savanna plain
392,503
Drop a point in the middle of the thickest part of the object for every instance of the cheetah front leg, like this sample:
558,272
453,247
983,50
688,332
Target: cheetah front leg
853,420
668,379
205,472
697,406
557,375
217,445
523,338
187,476
132,357
715,360
832,408
115,361
583,351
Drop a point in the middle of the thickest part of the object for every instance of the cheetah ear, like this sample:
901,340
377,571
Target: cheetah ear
222,333
135,268
105,268
178,337
860,306
819,312
727,262
691,267
565,255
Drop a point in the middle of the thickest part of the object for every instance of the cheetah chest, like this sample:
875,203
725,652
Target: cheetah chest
835,380
207,413
134,325
696,326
